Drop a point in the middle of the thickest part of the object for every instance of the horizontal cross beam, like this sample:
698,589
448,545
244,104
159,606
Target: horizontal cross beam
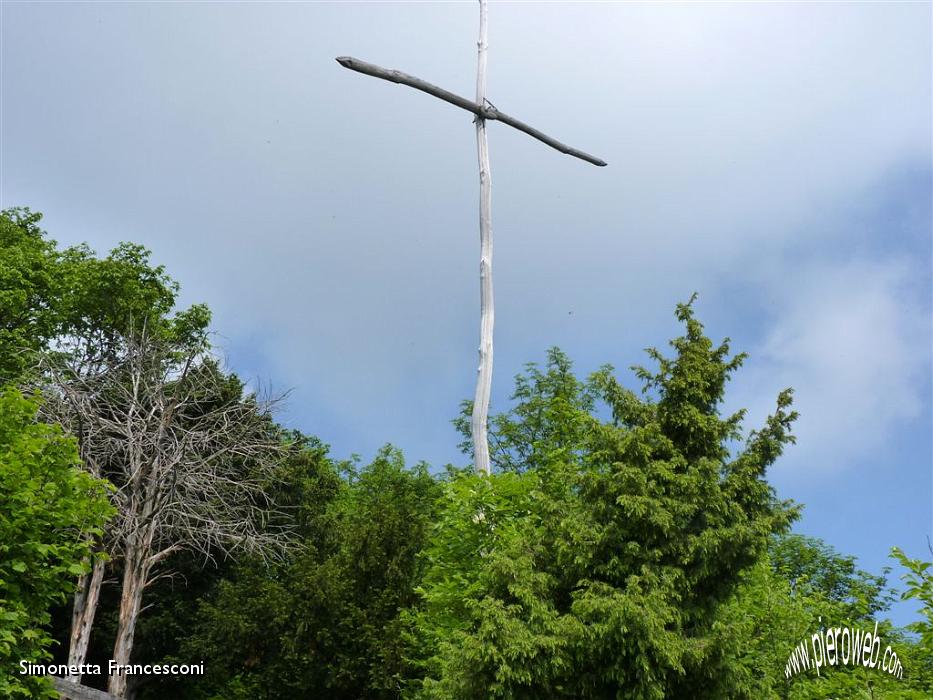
482,111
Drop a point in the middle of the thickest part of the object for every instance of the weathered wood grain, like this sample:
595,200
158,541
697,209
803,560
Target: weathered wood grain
76,691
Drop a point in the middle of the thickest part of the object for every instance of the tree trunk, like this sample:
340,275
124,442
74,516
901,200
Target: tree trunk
131,598
487,313
82,615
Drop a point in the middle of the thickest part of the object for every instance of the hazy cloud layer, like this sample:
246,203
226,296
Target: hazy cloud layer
852,338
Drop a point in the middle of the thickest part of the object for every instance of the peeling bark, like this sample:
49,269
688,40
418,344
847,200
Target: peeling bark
135,575
82,615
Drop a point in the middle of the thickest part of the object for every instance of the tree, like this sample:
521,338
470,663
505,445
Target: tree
70,298
599,571
811,566
189,455
49,508
919,586
800,587
29,314
70,304
100,302
327,623
552,412
919,582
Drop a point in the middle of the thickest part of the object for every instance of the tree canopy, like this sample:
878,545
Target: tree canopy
628,543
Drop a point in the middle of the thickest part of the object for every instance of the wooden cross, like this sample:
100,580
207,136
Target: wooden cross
484,110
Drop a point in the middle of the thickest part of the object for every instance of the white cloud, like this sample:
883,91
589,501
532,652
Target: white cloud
852,338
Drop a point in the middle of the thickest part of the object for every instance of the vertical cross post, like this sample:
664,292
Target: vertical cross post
480,415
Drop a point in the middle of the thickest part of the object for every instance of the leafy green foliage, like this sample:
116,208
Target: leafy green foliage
104,300
919,580
812,567
328,622
599,571
552,413
28,294
81,302
919,586
801,586
50,508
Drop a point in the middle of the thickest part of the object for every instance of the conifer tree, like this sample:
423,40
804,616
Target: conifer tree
596,568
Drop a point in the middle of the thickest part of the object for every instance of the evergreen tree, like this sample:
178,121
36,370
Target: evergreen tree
599,571
327,623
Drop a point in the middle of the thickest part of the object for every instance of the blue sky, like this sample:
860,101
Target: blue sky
774,157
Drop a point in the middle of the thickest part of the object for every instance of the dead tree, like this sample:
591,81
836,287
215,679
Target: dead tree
190,458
